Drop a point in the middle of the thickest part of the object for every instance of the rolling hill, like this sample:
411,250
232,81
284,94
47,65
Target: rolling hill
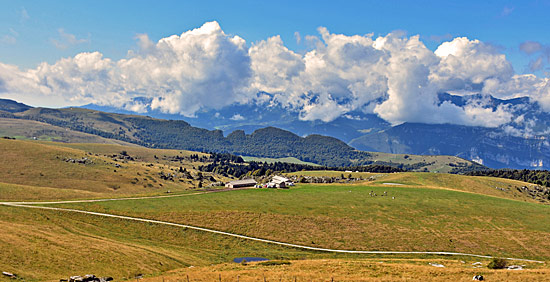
33,170
421,212
267,142
35,130
519,143
255,116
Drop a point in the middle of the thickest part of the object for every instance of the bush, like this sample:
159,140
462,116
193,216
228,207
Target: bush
497,263
275,262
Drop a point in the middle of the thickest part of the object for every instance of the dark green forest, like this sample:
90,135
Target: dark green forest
539,177
150,132
177,134
227,167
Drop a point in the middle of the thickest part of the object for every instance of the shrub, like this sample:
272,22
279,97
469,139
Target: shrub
275,262
497,263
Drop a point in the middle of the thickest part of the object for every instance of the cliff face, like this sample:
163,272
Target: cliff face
489,146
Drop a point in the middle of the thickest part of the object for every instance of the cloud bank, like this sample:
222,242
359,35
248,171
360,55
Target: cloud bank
393,76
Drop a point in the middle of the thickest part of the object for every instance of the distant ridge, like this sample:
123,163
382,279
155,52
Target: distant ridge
12,106
265,142
520,143
487,145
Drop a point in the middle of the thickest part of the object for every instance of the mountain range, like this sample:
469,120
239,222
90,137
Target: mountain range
520,143
270,142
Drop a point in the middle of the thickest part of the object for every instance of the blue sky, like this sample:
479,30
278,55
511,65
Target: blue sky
29,30
321,59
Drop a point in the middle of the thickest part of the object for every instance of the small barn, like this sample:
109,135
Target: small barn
279,182
241,183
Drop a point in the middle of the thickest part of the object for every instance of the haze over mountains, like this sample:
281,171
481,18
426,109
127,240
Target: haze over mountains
18,119
520,143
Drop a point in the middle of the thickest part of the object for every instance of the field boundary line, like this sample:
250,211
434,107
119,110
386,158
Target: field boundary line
254,238
121,199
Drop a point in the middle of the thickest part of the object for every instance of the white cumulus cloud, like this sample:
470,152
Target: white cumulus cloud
202,67
466,64
394,76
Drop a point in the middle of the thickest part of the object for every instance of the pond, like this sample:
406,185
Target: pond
248,259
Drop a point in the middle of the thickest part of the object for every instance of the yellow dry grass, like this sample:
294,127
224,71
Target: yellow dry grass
474,184
15,192
142,153
46,245
30,129
49,247
43,166
351,270
491,186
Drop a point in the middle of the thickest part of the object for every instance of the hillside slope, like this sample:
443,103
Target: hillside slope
33,170
426,212
35,130
519,141
177,134
255,116
487,146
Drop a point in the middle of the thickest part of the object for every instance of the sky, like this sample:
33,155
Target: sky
28,29
322,58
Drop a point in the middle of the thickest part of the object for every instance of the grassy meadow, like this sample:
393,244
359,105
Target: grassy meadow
435,163
42,167
41,245
380,269
347,217
30,130
498,187
418,212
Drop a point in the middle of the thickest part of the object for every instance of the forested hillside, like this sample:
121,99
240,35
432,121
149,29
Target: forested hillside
177,134
539,177
266,142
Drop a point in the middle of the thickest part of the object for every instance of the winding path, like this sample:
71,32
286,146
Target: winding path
33,206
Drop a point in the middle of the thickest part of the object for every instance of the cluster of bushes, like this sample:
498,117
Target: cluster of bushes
497,263
539,177
225,157
227,168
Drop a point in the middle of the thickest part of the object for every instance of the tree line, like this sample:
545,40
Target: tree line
227,168
539,177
